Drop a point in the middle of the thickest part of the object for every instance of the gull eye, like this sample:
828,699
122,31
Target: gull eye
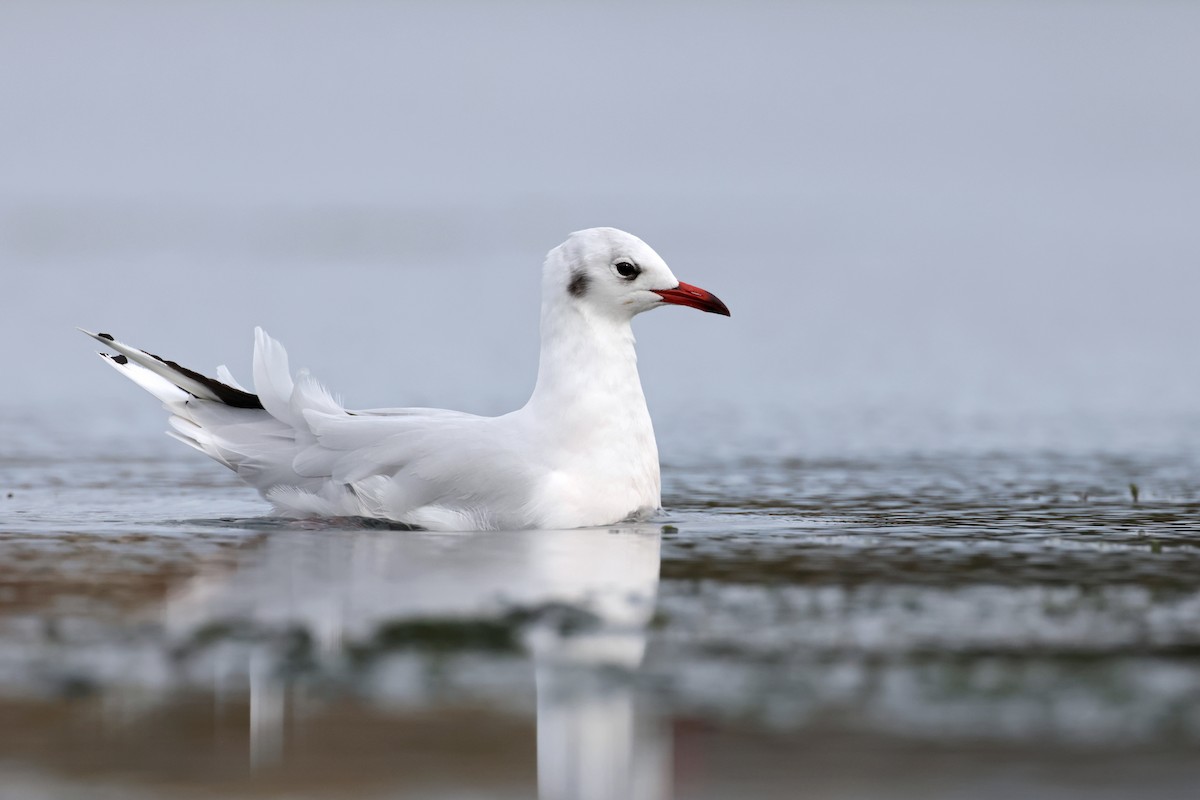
627,269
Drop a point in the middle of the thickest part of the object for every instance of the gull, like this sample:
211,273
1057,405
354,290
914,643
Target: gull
580,453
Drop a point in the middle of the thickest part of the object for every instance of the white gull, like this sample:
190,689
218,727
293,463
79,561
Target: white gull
581,452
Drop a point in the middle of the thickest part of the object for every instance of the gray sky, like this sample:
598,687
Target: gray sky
974,208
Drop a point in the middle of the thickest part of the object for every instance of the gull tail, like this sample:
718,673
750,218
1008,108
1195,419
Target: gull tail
220,418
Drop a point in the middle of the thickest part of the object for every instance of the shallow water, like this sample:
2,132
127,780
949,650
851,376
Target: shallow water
979,623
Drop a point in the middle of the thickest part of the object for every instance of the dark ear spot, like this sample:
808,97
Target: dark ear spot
579,283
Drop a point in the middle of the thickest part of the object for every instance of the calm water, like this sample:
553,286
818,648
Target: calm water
981,623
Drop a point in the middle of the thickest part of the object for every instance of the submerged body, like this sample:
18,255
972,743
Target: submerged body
581,452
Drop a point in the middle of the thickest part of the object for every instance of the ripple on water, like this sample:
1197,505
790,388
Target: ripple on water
1001,598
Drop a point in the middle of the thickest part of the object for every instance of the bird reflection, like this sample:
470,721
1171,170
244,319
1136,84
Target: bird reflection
577,603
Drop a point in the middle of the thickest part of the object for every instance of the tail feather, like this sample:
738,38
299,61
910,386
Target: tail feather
273,379
226,377
193,435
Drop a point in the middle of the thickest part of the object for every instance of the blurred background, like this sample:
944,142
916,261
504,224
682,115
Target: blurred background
961,219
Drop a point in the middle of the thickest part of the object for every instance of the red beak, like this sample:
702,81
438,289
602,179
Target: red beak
693,297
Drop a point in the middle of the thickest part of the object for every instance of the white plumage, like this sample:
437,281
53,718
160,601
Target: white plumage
581,452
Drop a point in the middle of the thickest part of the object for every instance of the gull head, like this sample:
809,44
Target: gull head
615,274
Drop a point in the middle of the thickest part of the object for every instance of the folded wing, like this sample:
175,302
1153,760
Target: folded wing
296,443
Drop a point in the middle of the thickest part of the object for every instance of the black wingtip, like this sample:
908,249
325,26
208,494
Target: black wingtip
228,395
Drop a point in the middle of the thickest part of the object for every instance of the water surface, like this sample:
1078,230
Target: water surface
942,624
